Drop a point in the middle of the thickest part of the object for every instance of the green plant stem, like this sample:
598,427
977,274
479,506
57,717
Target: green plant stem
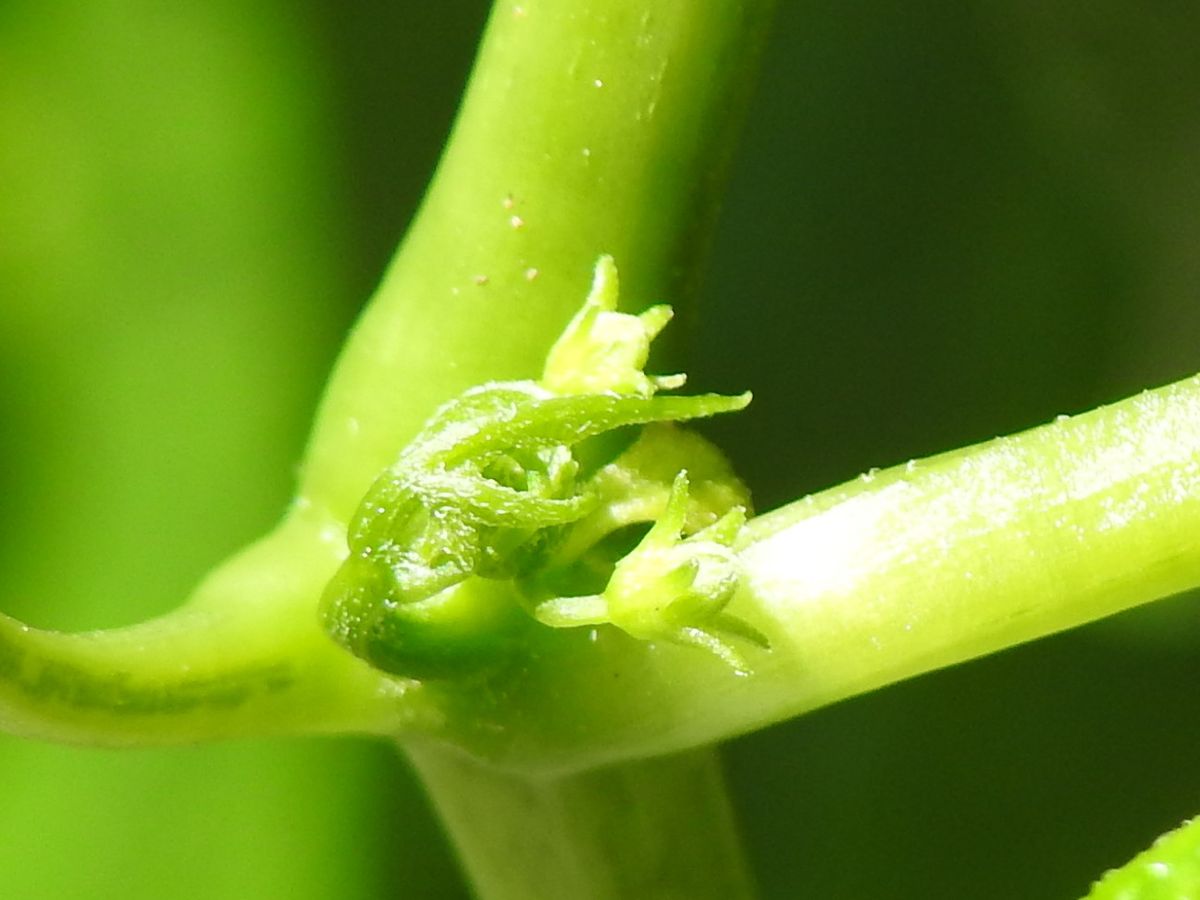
235,661
598,126
894,574
591,127
599,835
1167,870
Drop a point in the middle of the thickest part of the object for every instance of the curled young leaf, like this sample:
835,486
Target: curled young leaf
489,499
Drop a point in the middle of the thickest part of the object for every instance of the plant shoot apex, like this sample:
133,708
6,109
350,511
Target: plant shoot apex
604,350
488,521
671,587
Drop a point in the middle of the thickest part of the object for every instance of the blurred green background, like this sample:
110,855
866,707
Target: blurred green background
947,221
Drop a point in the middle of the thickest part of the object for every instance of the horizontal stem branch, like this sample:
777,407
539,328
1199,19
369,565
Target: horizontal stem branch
897,573
245,657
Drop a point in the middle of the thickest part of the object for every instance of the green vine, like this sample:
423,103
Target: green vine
507,556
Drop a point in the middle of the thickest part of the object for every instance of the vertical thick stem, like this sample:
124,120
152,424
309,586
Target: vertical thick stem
647,829
589,127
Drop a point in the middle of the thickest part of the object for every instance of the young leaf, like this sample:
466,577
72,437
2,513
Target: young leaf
490,491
